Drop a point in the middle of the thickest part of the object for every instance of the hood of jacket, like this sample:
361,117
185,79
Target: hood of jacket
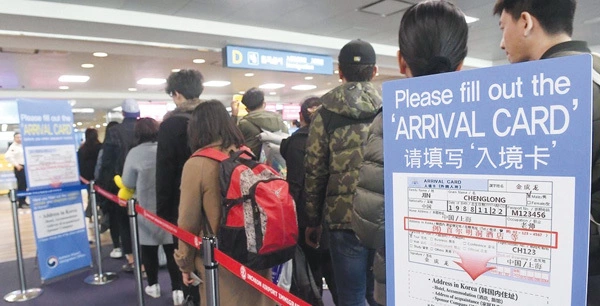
266,120
360,100
185,107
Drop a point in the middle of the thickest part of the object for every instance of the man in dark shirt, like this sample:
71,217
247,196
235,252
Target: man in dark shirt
184,87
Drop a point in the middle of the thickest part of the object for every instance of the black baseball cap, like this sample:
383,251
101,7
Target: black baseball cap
357,52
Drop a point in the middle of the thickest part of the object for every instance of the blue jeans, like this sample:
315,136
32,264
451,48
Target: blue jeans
350,260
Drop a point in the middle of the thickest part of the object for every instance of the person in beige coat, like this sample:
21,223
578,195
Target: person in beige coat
210,126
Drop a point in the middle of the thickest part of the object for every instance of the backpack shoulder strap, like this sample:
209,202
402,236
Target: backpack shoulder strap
211,153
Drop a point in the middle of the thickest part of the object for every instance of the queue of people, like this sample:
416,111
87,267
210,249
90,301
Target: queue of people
334,160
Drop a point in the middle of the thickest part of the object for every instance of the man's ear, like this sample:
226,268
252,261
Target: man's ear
526,23
402,63
375,69
460,65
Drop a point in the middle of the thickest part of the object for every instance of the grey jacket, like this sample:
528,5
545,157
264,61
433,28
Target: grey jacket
139,173
368,216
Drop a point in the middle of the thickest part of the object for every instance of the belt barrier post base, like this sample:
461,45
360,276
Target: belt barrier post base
100,278
24,294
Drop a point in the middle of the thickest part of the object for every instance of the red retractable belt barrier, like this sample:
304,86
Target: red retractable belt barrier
263,285
254,279
186,236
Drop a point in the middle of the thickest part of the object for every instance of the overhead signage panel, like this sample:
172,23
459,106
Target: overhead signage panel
265,59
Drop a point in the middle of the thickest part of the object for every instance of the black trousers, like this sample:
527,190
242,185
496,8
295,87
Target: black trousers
150,261
21,183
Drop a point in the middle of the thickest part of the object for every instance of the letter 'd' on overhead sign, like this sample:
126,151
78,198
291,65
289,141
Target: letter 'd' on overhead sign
236,56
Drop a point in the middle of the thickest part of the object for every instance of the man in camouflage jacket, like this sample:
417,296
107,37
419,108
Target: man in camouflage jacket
333,157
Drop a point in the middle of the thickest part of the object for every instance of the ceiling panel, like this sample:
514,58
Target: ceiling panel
155,6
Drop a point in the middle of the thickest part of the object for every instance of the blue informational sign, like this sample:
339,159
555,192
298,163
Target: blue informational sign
51,162
265,59
487,188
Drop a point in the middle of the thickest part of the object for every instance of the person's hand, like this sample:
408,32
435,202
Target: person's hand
19,167
312,236
235,107
187,279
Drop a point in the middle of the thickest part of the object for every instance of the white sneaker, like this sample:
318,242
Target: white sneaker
177,297
116,253
153,291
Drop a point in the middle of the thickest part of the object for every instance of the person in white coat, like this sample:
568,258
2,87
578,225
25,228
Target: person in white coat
14,155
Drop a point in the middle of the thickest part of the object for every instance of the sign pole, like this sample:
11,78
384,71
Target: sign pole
99,278
24,294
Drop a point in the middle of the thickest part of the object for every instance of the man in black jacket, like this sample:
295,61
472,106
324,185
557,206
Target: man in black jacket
185,87
117,143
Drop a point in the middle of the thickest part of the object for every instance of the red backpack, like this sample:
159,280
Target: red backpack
258,224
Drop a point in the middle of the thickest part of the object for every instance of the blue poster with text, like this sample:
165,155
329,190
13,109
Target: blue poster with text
53,183
487,185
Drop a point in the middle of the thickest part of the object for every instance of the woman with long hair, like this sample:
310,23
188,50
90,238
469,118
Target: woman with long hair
139,174
432,39
209,127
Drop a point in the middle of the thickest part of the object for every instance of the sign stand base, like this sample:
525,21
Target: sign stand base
21,296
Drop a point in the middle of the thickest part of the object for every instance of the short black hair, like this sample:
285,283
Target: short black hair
433,37
211,123
357,73
253,98
555,16
145,130
307,109
187,82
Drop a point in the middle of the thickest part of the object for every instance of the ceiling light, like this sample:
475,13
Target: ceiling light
308,78
117,109
63,87
199,61
592,21
76,130
72,102
100,54
73,78
272,93
151,81
175,70
216,83
377,74
304,87
470,19
86,110
271,86
336,71
97,126
87,65
79,123
132,89
249,74
104,124
74,125
4,127
241,92
340,80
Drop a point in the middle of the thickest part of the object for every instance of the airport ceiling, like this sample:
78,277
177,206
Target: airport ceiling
41,40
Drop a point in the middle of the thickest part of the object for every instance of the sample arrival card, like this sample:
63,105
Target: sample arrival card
51,162
487,188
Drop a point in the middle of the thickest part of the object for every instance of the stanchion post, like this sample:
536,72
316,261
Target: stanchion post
212,272
135,246
99,278
24,294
